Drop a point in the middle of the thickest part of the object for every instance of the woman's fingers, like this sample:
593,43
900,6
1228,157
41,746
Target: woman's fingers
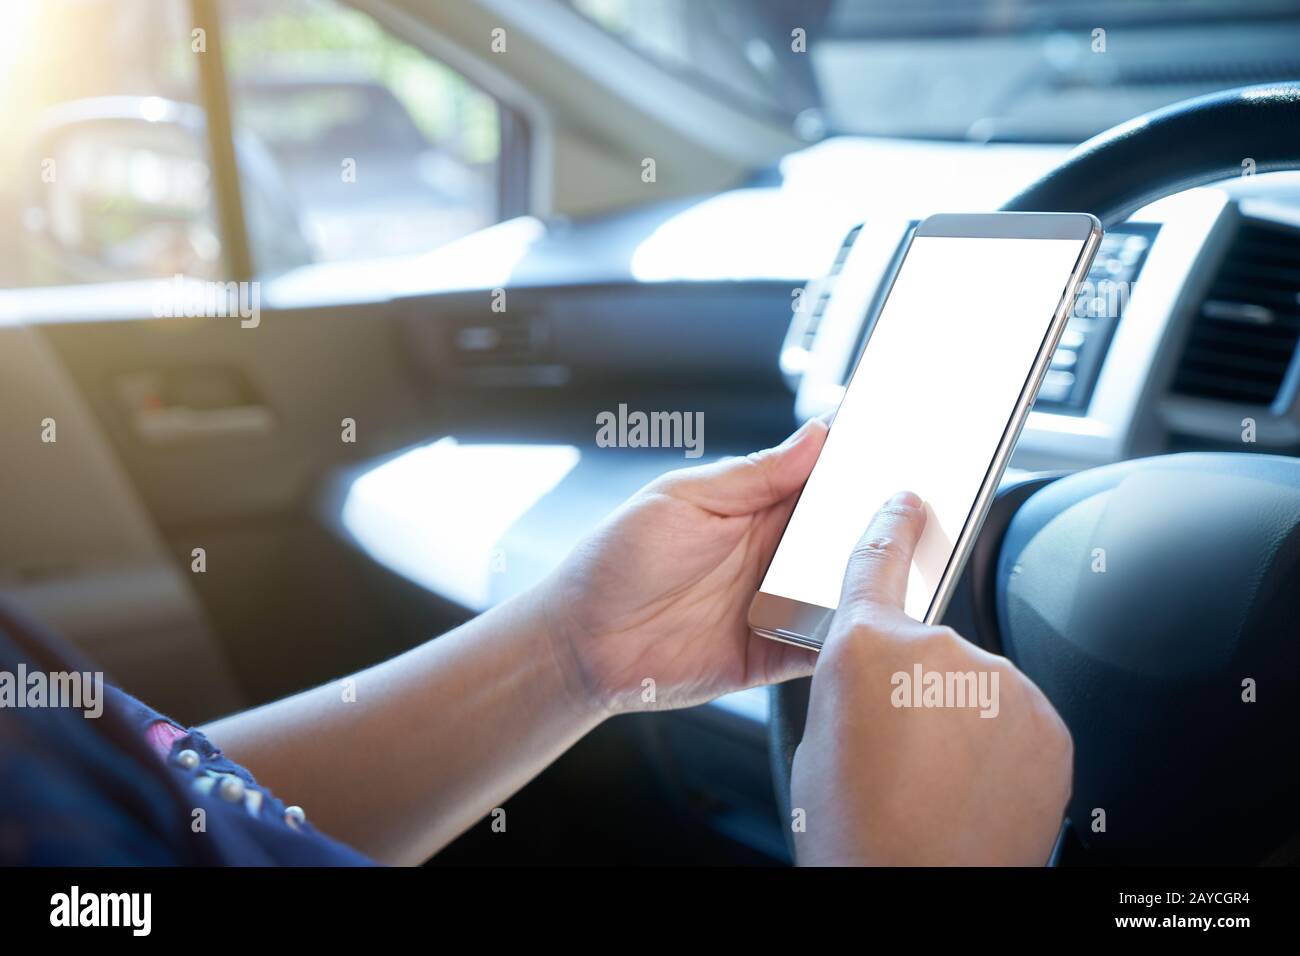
739,486
879,566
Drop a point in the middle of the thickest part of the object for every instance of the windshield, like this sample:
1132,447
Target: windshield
1009,70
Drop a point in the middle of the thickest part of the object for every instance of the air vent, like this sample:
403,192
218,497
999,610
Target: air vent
797,351
506,338
1246,328
505,350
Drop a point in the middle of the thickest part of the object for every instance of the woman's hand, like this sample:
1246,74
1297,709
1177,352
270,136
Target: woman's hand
660,594
651,609
977,779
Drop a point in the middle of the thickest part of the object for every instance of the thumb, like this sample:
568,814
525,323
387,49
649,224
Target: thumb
741,486
881,561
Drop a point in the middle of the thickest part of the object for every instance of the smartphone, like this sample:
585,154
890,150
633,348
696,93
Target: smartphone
943,386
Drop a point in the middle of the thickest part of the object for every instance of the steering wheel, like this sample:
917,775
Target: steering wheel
1178,669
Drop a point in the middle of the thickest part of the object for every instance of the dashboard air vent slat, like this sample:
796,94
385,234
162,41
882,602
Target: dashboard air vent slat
801,337
1246,329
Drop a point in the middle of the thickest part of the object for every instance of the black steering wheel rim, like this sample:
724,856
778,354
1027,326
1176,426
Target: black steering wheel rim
1192,143
1195,142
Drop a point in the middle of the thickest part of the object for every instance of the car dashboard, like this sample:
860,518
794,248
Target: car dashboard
752,305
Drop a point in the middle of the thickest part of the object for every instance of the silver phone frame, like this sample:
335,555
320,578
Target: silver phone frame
805,625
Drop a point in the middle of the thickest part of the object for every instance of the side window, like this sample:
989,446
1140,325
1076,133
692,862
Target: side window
103,165
352,143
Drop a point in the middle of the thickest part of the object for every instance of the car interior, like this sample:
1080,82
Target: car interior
451,234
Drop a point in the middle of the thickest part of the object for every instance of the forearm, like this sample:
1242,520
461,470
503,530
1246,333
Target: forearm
414,750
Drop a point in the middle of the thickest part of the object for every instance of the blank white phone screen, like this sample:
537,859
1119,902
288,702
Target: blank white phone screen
926,408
